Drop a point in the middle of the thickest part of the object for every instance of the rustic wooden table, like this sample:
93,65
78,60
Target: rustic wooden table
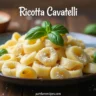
23,24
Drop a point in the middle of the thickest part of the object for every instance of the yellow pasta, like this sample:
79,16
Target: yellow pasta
65,39
41,70
16,50
7,57
19,57
28,59
22,39
90,51
61,52
58,72
41,58
2,46
16,36
70,64
75,42
47,56
1,64
9,68
48,43
76,73
43,38
90,68
77,53
10,43
32,45
23,71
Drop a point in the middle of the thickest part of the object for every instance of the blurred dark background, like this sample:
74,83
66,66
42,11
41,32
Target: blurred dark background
86,13
82,4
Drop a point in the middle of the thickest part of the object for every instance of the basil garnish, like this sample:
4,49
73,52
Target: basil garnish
35,33
94,57
3,51
47,25
90,29
52,32
60,29
56,38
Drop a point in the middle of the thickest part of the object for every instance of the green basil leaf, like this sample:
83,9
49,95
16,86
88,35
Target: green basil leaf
35,33
94,57
47,25
60,29
56,38
3,51
90,29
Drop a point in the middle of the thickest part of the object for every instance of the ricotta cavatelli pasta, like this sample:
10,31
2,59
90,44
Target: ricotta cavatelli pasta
46,52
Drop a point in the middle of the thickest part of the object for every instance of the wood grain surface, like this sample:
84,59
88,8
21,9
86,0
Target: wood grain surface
23,24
